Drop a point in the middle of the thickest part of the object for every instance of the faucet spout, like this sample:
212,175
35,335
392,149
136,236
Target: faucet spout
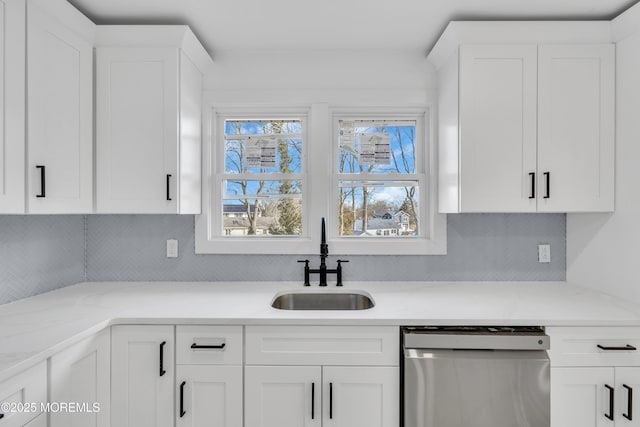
324,248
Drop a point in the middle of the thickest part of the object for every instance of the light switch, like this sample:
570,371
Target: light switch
172,248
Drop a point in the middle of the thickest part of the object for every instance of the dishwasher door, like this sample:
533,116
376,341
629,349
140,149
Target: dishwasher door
476,388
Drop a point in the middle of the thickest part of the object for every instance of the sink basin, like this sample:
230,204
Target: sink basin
322,301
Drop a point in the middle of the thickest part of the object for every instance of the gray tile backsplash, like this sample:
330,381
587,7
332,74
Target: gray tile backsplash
480,247
41,253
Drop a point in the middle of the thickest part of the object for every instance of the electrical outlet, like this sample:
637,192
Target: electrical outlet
172,248
544,253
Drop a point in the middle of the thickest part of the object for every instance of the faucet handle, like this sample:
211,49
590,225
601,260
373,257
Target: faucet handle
306,271
339,271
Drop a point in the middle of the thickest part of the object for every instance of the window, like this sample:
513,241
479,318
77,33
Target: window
384,191
263,177
377,179
271,175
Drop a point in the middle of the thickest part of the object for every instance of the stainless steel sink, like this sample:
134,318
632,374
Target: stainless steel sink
322,301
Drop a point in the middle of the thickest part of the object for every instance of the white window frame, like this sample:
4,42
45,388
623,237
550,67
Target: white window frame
320,189
432,239
210,236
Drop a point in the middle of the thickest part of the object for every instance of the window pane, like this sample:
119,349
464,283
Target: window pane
377,146
263,146
262,208
378,208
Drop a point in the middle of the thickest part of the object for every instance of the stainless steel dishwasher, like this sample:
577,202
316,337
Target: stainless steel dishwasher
475,376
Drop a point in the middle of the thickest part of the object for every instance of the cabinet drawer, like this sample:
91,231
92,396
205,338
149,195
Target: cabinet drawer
208,345
599,346
27,388
322,345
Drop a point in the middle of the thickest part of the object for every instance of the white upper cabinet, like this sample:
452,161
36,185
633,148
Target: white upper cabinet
498,127
60,109
148,107
526,124
576,128
12,106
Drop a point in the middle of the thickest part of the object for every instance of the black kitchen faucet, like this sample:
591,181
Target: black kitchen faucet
323,270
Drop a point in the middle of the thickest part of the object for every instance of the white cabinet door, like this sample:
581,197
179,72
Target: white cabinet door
579,397
498,91
360,396
60,116
142,376
576,87
283,396
137,129
12,106
627,409
208,396
39,421
25,390
81,374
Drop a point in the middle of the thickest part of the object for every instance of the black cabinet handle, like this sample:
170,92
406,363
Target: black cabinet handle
532,195
221,346
182,411
330,401
610,414
168,187
162,371
547,176
629,414
626,347
313,401
42,181
1,416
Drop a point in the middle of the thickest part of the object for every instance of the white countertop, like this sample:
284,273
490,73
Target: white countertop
37,327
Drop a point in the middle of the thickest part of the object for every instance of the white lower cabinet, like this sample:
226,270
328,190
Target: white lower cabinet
283,396
142,376
360,396
39,421
336,376
595,376
209,396
586,397
21,397
209,376
80,374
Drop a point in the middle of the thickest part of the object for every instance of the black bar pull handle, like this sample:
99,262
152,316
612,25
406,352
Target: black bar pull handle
610,414
626,347
162,371
330,401
313,401
629,414
220,346
182,411
1,416
168,187
547,176
532,195
42,181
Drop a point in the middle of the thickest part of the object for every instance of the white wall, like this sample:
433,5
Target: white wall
603,250
342,78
